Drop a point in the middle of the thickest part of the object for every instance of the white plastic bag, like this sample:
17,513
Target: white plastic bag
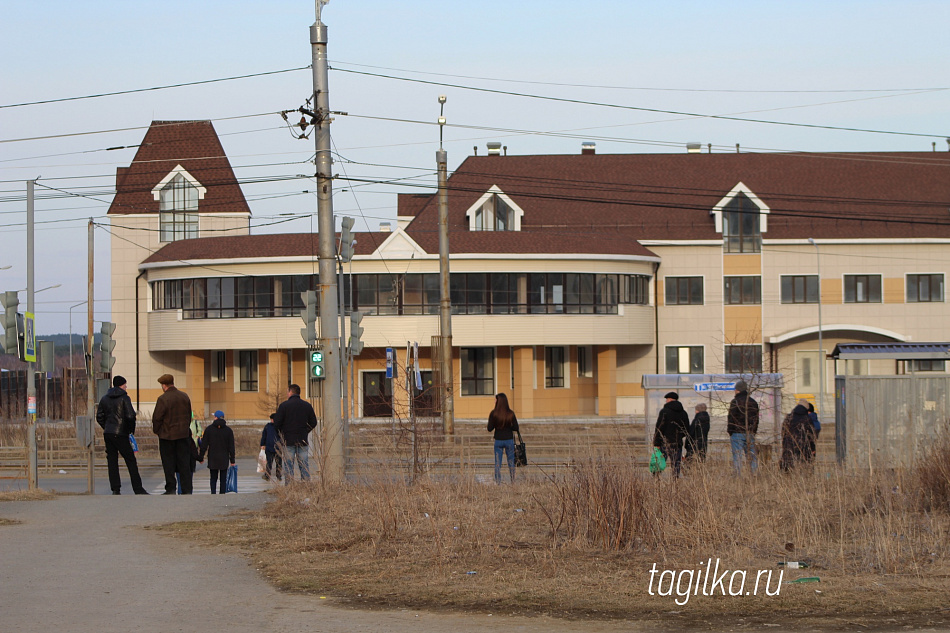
261,462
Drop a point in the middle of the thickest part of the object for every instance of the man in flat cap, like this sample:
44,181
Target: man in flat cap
672,426
171,422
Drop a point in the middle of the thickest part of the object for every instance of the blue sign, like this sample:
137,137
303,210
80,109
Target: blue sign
702,387
390,362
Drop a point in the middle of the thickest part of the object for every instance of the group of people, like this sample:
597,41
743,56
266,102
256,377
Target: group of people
182,444
674,432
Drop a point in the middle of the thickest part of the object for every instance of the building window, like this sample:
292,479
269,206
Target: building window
740,226
685,359
553,367
926,365
585,361
248,369
636,289
799,288
684,291
177,210
219,366
862,289
478,371
742,290
743,359
924,288
494,215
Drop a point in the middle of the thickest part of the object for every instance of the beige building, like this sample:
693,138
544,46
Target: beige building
572,276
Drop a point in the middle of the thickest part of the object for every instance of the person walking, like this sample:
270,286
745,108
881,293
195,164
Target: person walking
294,420
697,440
742,424
797,432
218,443
816,425
269,446
116,416
672,426
504,423
170,422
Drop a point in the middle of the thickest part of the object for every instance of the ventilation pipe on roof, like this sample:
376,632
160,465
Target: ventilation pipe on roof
709,148
588,147
494,148
737,148
385,227
476,149
694,148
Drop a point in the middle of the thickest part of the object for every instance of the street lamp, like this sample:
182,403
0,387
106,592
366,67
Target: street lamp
41,289
821,348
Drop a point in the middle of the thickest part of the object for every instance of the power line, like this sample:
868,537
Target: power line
641,109
132,91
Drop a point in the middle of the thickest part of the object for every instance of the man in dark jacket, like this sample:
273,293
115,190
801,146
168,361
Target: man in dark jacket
270,446
171,422
294,420
672,426
218,442
116,416
742,425
798,435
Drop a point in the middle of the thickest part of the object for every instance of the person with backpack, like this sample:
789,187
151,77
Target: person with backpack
116,416
218,443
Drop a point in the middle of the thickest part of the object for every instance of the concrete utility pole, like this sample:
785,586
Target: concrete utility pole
327,289
31,367
91,374
445,300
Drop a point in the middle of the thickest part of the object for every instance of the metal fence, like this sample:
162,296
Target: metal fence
886,421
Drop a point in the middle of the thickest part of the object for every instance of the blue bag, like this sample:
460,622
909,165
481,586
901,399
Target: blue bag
232,479
135,445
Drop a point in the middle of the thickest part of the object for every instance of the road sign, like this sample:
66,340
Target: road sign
390,362
31,405
702,387
29,339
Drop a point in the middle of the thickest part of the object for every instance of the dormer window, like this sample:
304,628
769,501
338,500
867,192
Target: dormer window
178,195
494,211
741,218
740,226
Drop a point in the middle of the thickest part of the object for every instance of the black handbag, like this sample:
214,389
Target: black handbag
521,455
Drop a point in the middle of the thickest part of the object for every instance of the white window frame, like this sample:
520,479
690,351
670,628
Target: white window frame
517,211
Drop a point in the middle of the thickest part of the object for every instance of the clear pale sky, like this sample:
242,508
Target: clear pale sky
873,65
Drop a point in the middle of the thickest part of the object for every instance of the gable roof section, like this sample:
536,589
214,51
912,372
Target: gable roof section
596,203
193,145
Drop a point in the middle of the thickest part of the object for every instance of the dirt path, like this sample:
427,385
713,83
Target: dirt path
85,564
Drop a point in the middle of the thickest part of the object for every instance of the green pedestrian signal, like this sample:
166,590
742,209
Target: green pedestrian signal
317,368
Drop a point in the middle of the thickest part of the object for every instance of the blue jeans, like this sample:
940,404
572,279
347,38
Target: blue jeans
502,447
743,444
298,454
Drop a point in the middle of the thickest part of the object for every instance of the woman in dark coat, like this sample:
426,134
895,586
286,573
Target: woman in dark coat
503,422
218,443
797,434
672,426
698,439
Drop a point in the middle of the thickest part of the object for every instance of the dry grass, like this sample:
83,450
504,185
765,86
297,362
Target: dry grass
26,495
582,544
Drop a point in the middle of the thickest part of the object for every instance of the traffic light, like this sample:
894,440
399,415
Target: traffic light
11,341
356,345
346,240
309,316
317,369
106,345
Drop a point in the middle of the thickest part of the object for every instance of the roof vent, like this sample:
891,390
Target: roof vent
588,147
694,148
494,148
385,227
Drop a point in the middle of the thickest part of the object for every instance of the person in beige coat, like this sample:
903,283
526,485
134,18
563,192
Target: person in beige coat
171,422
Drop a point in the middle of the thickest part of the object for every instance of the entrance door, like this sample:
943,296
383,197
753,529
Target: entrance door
426,402
377,395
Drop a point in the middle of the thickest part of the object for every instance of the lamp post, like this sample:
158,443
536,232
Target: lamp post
821,348
70,368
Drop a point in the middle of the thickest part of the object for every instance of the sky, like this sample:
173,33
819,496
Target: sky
643,70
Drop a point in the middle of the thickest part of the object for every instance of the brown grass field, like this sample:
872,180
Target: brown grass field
582,544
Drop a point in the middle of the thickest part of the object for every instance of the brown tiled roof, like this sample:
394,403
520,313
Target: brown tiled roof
409,204
195,146
243,246
583,203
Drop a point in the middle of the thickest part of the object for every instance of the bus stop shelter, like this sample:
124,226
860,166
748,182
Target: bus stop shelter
885,421
716,391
